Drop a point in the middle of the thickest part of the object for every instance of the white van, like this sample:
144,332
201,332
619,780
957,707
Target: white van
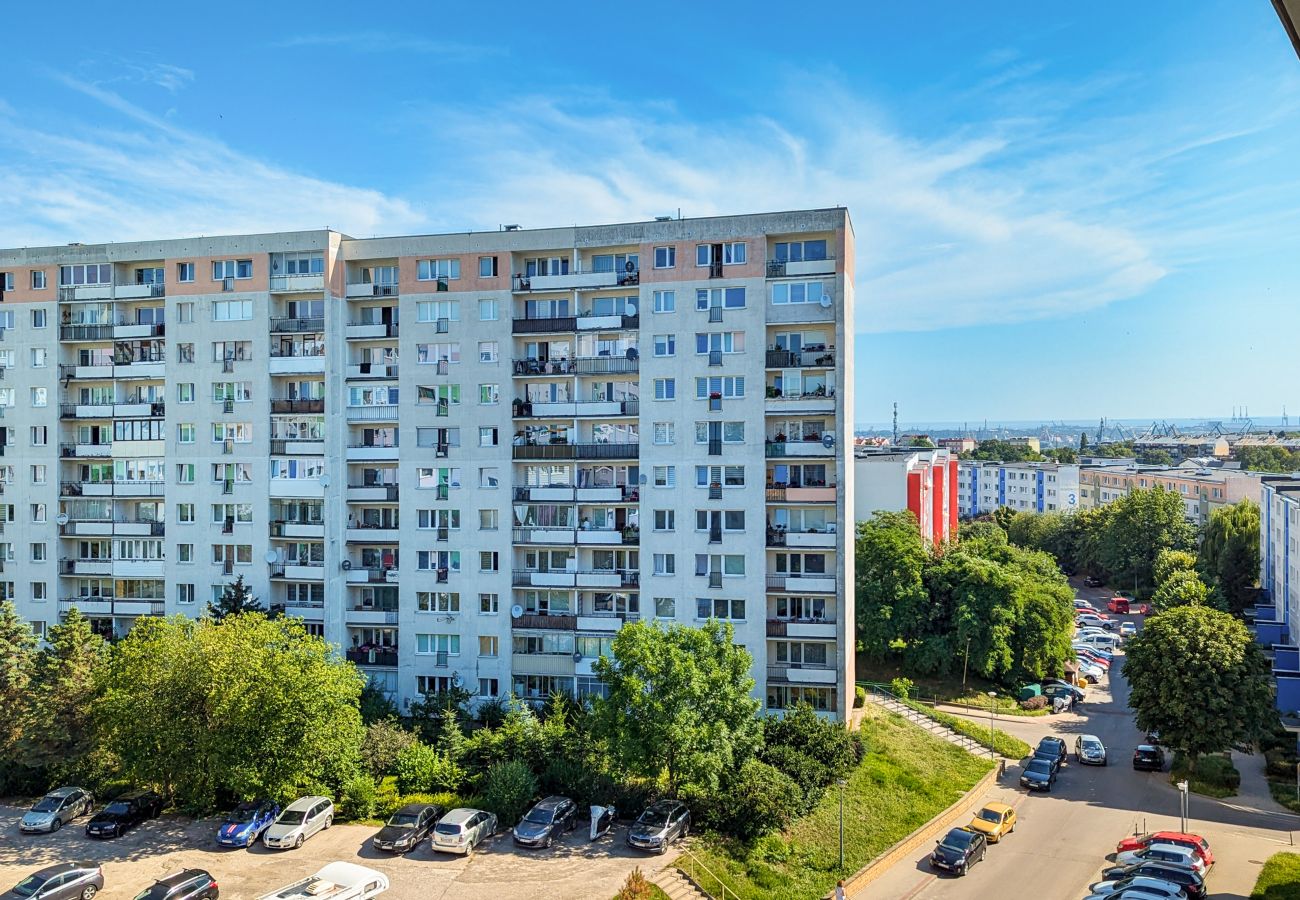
1104,641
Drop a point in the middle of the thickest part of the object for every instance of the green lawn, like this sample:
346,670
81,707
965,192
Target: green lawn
999,741
1279,879
1215,775
1284,792
907,778
948,690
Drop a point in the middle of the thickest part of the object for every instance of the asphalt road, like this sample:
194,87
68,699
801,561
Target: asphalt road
1062,839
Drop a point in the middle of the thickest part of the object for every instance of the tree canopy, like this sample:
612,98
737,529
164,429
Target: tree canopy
1229,554
235,599
1256,458
1004,451
58,732
17,664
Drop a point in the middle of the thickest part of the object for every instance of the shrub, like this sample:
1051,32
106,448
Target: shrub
829,743
901,687
1279,763
420,767
1034,703
1214,775
508,788
577,780
802,769
636,887
759,799
358,798
859,697
446,800
491,712
386,798
383,742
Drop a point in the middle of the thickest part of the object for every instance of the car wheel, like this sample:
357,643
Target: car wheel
298,843
329,820
984,853
58,823
88,892
549,842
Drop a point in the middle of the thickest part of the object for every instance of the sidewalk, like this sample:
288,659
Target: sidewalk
1254,792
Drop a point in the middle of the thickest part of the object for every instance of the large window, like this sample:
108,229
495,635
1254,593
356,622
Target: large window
86,274
731,254
309,263
798,251
231,268
798,292
437,269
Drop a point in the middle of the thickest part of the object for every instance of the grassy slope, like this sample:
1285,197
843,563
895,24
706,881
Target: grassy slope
907,778
1004,744
946,690
1279,879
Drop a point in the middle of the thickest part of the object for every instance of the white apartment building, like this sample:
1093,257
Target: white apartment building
984,486
1279,552
465,459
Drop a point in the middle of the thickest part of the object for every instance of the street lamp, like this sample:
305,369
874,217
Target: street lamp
993,720
842,782
964,664
1182,804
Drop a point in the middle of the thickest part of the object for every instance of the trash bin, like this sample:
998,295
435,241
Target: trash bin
1029,691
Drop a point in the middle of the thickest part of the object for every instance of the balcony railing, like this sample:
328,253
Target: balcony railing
546,621
814,358
536,326
386,656
311,324
86,332
815,446
577,451
390,491
297,406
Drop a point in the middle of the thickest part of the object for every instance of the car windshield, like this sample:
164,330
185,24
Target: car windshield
448,828
1038,767
291,817
989,815
957,840
118,807
243,813
654,817
157,892
47,804
540,816
29,885
404,820
1092,745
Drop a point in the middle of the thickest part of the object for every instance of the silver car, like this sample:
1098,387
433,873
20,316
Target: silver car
461,830
56,809
1089,750
300,820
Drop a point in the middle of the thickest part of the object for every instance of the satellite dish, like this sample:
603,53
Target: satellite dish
644,481
346,564
828,440
62,518
577,657
826,302
271,556
516,611
456,679
631,307
324,481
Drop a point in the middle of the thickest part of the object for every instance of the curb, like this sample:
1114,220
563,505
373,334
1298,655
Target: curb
874,869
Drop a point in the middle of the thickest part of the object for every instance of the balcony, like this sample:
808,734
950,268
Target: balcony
85,451
545,621
559,493
87,527
69,293
368,452
283,528
577,451
85,567
151,367
107,606
138,568
538,326
128,330
297,447
802,673
366,289
154,291
374,534
297,284
371,370
302,609
537,535
297,488
374,413
281,363
815,401
373,493
820,358
812,584
99,373
607,323
575,281
95,332
370,615
292,571
780,268
138,528
112,488
371,331
808,447
89,606
614,494
279,406
801,628
383,656
780,537
781,493
626,537
85,411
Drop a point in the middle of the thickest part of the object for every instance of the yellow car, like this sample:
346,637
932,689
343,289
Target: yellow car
994,821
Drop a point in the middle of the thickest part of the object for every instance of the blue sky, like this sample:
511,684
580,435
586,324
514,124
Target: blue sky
1061,212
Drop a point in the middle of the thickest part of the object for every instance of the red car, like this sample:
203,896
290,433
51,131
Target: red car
1193,842
1125,606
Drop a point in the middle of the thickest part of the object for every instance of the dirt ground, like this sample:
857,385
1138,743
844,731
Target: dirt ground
576,867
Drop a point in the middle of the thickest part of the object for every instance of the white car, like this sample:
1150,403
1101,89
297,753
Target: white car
1172,853
1128,629
300,820
1094,620
1135,894
461,830
1088,670
1144,883
1104,641
56,809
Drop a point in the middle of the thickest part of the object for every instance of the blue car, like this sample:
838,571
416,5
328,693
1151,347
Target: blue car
246,822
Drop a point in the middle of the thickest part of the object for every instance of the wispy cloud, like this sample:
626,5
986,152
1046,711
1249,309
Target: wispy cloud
388,42
147,178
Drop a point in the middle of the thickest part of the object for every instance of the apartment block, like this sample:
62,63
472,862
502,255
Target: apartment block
1277,613
984,486
922,481
465,459
1202,490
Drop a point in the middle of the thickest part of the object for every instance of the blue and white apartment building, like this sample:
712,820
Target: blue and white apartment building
1277,615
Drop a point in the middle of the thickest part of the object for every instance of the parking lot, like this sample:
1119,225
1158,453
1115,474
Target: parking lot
575,867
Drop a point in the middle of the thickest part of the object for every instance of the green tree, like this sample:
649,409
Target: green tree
1197,676
1181,588
375,705
17,663
759,798
1005,451
509,788
1229,556
1257,458
1083,442
922,442
383,743
246,706
1140,525
1063,455
679,703
1168,562
58,733
1156,457
891,600
427,713
235,599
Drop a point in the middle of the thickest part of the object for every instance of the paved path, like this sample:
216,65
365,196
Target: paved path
1060,845
1254,790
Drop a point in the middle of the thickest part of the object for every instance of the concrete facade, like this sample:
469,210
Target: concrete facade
923,482
465,459
1202,490
984,486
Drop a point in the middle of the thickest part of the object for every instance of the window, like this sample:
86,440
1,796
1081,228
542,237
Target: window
185,553
184,593
185,433
720,298
663,433
720,342
487,436
38,512
239,432
488,561
433,310
38,318
665,519
665,476
665,257
732,254
38,357
232,268
438,518
40,396
101,273
488,351
39,592
732,432
437,269
304,263
7,281
665,344
232,310
185,513
185,272
488,687
437,601
719,608
798,292
489,604
40,435
665,564
430,644
185,353
185,313
489,394
727,476
38,552
38,280
38,474
432,354
232,512
665,389
665,301
185,392
489,477
489,645
487,267
488,310
721,386
798,251
242,391
488,519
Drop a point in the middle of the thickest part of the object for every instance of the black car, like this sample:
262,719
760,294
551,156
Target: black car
1149,758
1189,880
65,881
958,850
1039,775
1093,581
659,825
189,884
407,827
1052,748
543,822
124,813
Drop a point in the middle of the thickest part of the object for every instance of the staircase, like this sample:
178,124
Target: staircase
888,701
676,885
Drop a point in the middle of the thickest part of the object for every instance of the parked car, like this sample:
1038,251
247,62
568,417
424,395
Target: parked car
1089,750
1118,605
659,825
1054,745
1081,605
1194,842
56,809
544,821
1095,619
1127,887
995,821
1192,882
1093,655
65,881
1039,775
958,850
1093,581
245,823
1103,641
334,881
300,820
461,830
188,884
1170,853
1127,629
124,813
407,827
1090,672
1148,758
1073,694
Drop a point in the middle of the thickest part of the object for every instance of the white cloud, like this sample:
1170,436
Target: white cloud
386,42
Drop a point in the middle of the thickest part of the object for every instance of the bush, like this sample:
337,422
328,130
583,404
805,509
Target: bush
508,789
383,743
358,798
1034,703
576,780
420,767
759,799
829,743
1279,763
859,697
636,887
802,769
1214,775
901,687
